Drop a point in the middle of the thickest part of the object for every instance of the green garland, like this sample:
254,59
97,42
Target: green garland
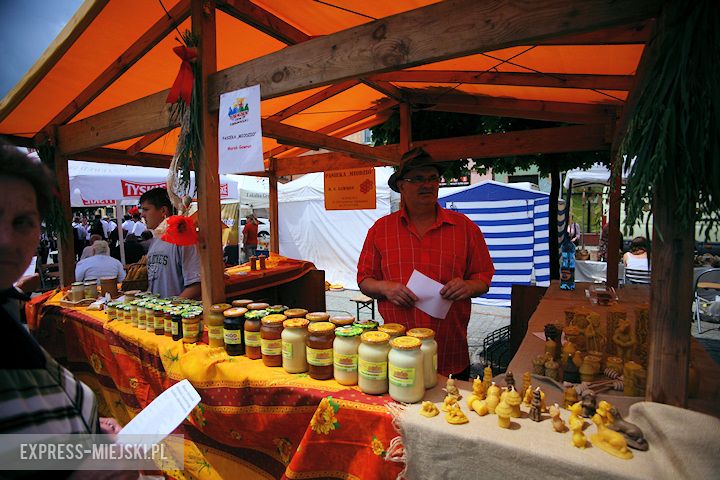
675,129
189,144
56,224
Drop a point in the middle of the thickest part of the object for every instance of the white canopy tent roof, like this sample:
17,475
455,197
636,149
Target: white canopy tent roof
598,174
93,184
253,191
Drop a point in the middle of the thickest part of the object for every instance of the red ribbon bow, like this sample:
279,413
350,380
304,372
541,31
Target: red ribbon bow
182,88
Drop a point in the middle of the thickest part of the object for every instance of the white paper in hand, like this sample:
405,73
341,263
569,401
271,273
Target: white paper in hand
428,292
165,413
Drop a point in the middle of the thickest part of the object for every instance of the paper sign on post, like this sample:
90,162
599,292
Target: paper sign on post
165,413
428,292
239,132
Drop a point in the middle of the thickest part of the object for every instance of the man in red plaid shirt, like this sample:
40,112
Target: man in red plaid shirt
441,244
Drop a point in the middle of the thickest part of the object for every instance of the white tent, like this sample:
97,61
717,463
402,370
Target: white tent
253,191
332,240
598,174
93,184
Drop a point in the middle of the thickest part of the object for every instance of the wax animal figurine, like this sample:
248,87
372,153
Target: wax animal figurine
429,409
609,441
456,416
570,397
449,401
603,409
451,389
527,398
479,389
589,403
631,432
557,423
624,340
576,424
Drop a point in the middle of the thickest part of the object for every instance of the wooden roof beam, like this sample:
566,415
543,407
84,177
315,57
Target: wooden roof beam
119,157
307,138
386,88
382,106
261,19
559,80
400,41
321,162
120,65
313,100
631,34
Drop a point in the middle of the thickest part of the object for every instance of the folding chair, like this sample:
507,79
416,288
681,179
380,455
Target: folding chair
706,290
637,276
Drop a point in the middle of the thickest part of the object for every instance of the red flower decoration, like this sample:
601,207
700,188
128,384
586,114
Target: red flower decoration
134,211
180,231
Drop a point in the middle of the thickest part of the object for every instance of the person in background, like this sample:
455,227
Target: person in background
637,258
133,249
112,225
88,251
38,395
97,228
250,236
128,223
139,226
79,235
603,244
100,265
441,244
172,270
573,230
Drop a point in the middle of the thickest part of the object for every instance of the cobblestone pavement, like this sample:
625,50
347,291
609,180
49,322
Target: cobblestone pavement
484,320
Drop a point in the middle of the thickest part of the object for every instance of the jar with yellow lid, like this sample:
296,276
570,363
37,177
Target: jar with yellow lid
373,362
242,302
392,329
251,331
318,317
345,354
342,320
190,327
271,339
295,313
319,349
429,351
405,370
294,337
215,321
257,306
232,331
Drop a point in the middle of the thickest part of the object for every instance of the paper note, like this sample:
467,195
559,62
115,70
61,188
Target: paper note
165,413
428,292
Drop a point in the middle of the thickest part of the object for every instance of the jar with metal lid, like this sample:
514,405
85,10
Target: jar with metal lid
373,362
168,323
77,291
149,317
317,317
392,329
232,331
110,310
90,288
242,302
405,370
253,347
133,313
366,325
141,315
342,320
120,312
215,321
295,313
319,349
190,327
294,336
429,351
158,320
345,354
271,339
177,326
276,309
232,335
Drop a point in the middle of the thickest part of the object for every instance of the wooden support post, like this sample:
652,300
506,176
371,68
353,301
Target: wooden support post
208,183
405,127
670,299
66,246
613,242
274,227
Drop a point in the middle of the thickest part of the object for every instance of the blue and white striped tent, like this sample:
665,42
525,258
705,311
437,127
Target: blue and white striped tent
514,221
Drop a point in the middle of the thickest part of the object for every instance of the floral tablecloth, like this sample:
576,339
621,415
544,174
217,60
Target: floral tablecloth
252,422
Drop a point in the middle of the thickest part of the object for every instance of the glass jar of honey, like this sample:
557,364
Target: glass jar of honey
294,336
215,320
392,329
251,330
319,346
271,339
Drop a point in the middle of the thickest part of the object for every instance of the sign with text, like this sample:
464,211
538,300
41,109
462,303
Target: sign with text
239,131
352,189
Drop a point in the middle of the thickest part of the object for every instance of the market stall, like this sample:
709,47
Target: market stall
253,421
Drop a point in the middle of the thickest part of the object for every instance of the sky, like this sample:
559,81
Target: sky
27,27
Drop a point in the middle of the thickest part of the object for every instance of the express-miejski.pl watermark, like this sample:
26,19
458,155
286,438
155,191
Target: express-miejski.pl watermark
91,452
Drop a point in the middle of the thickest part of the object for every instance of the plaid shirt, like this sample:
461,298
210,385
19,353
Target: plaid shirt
453,247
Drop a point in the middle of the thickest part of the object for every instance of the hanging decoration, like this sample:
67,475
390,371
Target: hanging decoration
185,111
180,231
674,128
56,224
